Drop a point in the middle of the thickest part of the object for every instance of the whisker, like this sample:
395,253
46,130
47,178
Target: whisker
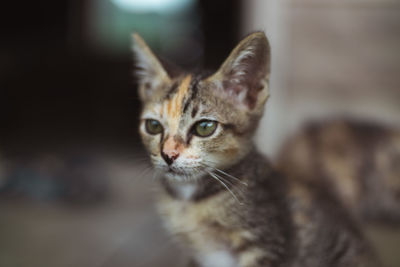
231,176
157,173
146,170
234,187
226,174
223,184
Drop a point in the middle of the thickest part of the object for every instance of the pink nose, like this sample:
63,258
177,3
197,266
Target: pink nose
169,159
171,150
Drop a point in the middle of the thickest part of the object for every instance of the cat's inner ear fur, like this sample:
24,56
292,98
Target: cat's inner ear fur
243,77
148,69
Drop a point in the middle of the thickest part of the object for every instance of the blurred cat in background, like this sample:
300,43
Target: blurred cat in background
359,160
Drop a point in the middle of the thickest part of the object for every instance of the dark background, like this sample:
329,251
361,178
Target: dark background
59,91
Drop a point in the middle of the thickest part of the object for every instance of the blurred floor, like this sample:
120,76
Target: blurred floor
123,231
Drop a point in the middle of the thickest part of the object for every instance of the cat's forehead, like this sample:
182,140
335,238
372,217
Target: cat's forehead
177,97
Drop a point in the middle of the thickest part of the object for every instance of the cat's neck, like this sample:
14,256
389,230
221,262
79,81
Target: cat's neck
246,170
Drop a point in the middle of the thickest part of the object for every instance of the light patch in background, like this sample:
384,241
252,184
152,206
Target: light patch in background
271,17
157,6
171,28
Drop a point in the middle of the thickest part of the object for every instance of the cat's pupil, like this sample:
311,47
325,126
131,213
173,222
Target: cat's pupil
205,125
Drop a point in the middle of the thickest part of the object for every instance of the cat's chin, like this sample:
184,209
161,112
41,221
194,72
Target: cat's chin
183,177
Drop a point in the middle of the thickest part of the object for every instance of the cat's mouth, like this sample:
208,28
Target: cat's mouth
175,171
175,174
180,174
170,170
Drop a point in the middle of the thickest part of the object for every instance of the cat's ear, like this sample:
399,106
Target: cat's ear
148,69
243,77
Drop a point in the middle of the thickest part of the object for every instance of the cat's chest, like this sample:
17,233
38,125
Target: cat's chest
203,228
193,220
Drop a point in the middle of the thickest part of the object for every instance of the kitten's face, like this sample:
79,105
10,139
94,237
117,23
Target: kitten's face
191,125
191,129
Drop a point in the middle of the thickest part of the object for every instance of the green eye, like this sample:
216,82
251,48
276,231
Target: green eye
205,128
153,127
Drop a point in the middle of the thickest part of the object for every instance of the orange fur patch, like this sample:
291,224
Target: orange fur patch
174,106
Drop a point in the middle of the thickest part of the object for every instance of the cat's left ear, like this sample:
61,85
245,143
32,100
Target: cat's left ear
149,70
243,77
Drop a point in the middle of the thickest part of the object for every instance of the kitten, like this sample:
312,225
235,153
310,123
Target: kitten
360,160
222,198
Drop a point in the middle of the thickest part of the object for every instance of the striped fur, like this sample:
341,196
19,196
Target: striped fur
221,198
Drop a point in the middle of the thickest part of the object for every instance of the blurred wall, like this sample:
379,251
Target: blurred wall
269,16
329,59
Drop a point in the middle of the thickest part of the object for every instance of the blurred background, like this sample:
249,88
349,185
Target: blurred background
75,187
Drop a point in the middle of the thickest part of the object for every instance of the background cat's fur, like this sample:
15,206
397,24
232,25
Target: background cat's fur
359,160
239,211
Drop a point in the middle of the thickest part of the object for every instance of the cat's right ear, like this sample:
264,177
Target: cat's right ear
148,69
